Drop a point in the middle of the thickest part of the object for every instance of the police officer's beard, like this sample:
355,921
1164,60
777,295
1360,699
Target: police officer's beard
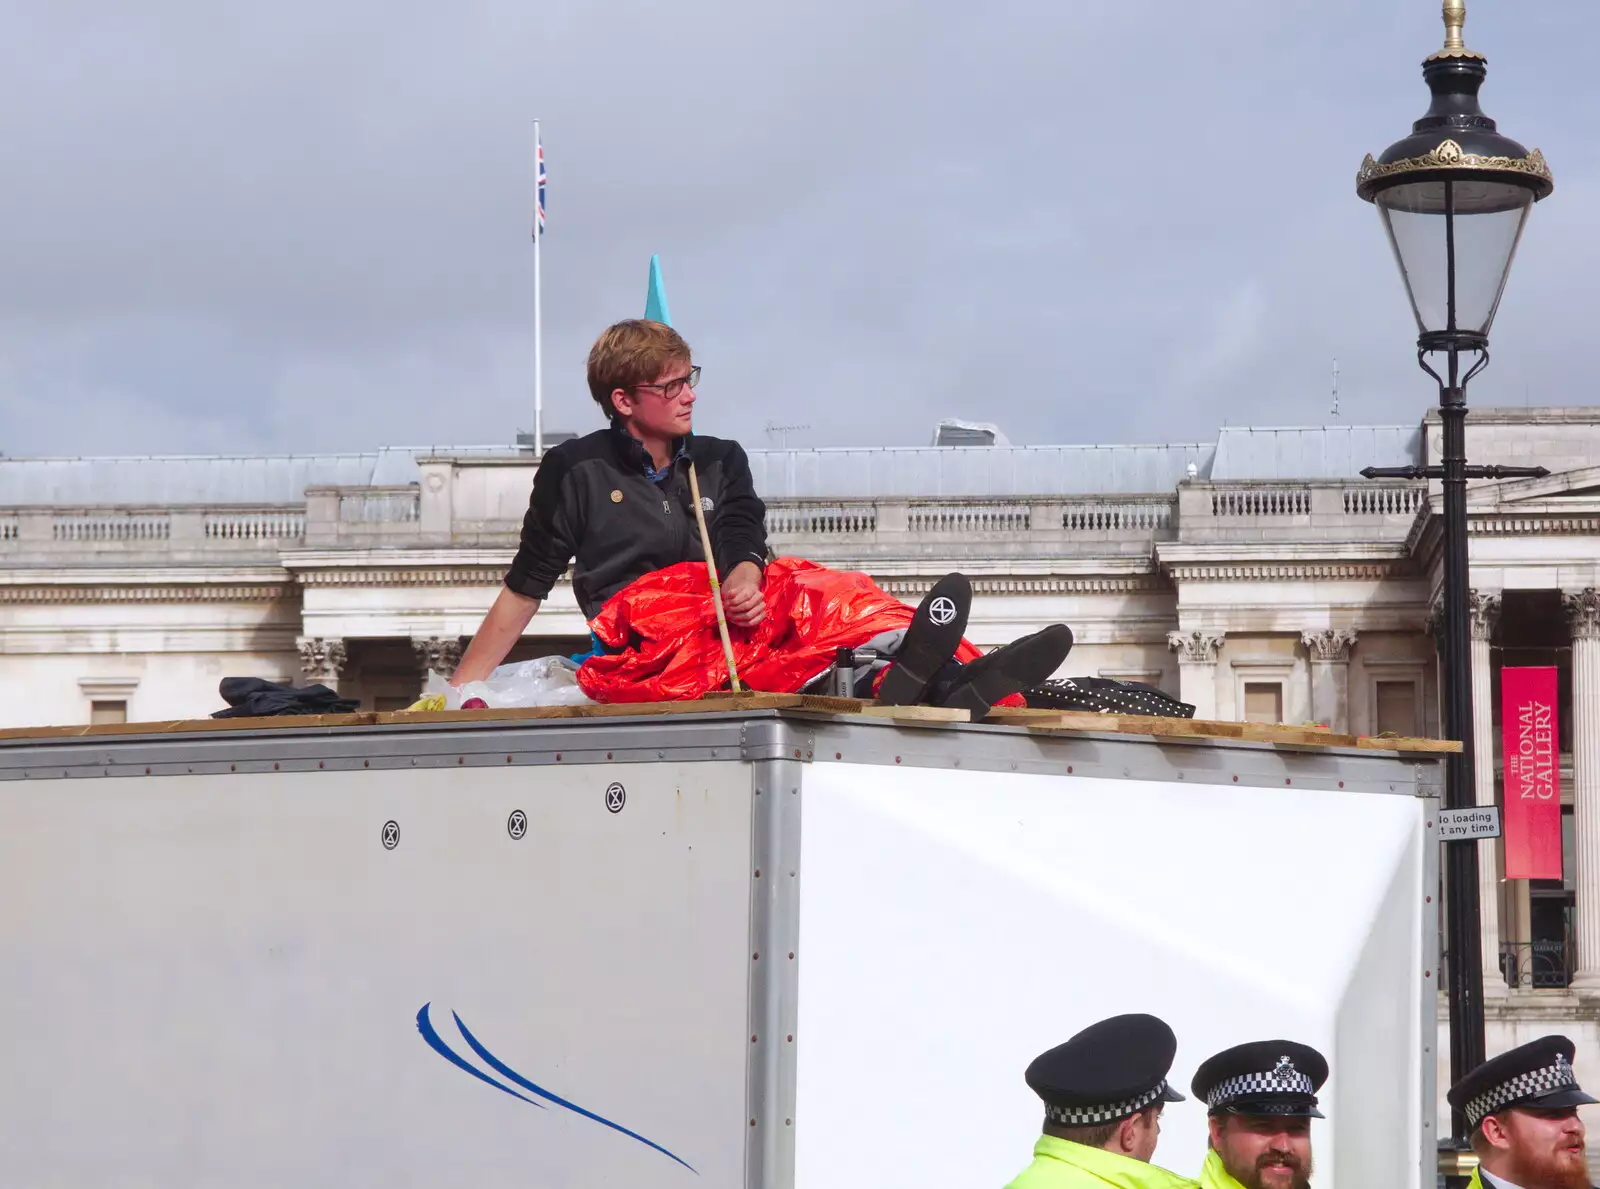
1275,1157
1557,1168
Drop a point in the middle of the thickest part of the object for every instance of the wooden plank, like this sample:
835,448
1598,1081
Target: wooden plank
410,717
701,706
1131,724
1296,736
1136,724
1044,721
1191,728
930,714
1065,720
185,726
827,704
1437,746
594,710
284,722
1023,715
42,732
1187,728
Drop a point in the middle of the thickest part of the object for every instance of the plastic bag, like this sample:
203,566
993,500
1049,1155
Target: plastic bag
543,681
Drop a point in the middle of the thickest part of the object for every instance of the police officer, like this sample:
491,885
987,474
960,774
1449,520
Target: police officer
1522,1108
1260,1098
1103,1093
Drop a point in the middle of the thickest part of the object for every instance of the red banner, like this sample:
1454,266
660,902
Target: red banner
1533,773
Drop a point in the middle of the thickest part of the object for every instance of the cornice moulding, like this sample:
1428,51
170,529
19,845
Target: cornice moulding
197,593
1171,553
1533,526
390,559
1025,585
1286,571
419,576
139,575
1022,568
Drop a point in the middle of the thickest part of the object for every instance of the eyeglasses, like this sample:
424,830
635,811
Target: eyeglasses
673,389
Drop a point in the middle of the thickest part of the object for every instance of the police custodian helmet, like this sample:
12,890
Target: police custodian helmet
1107,1072
1264,1077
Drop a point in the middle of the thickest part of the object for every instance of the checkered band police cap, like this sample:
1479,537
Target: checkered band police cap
1262,1077
1538,1075
1087,1116
1535,1083
1282,1078
1110,1070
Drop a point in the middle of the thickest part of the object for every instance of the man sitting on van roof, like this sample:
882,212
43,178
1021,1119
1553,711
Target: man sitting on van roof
616,504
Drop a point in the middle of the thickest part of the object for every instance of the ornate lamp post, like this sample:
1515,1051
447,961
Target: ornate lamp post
1454,196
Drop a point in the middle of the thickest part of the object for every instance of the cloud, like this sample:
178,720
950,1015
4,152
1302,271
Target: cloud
306,227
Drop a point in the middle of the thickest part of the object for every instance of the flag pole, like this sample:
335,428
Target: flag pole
538,326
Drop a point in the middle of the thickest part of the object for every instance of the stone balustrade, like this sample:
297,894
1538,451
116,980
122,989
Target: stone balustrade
1332,510
828,529
68,536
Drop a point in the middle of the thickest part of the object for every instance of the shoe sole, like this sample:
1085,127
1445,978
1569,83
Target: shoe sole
929,644
1029,661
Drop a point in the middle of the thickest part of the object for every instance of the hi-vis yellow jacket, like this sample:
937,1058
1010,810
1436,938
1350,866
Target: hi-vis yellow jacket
1061,1164
1214,1176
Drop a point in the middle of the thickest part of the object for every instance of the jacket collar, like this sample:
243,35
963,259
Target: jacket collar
1122,1172
1214,1176
1483,1179
632,454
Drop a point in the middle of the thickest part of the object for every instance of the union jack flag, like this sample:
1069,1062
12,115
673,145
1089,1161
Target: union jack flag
538,228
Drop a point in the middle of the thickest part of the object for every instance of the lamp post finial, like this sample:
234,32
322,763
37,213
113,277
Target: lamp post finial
1455,18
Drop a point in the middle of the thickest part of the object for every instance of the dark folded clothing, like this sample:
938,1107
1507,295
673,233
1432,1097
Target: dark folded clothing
253,697
1101,695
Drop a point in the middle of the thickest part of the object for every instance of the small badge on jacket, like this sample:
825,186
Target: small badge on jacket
616,497
705,503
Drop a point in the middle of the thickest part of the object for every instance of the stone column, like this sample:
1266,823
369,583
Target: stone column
1485,610
1330,675
437,656
1583,614
1197,669
321,660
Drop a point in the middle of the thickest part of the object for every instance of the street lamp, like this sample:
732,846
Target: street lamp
1454,196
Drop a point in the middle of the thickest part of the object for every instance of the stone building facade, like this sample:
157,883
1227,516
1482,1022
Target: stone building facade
1255,575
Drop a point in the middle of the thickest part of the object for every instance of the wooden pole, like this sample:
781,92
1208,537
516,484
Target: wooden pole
716,586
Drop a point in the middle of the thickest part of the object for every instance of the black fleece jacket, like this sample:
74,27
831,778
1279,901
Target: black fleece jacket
593,501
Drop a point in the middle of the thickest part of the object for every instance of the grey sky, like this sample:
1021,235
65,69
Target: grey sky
304,226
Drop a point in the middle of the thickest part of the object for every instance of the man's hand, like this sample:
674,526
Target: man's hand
741,596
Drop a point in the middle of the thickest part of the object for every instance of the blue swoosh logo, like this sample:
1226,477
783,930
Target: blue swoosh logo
431,1035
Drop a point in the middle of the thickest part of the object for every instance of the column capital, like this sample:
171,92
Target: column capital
1331,645
1583,613
321,659
438,656
1196,648
1484,610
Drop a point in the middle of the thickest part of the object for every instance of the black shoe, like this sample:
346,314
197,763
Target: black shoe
1009,669
931,640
